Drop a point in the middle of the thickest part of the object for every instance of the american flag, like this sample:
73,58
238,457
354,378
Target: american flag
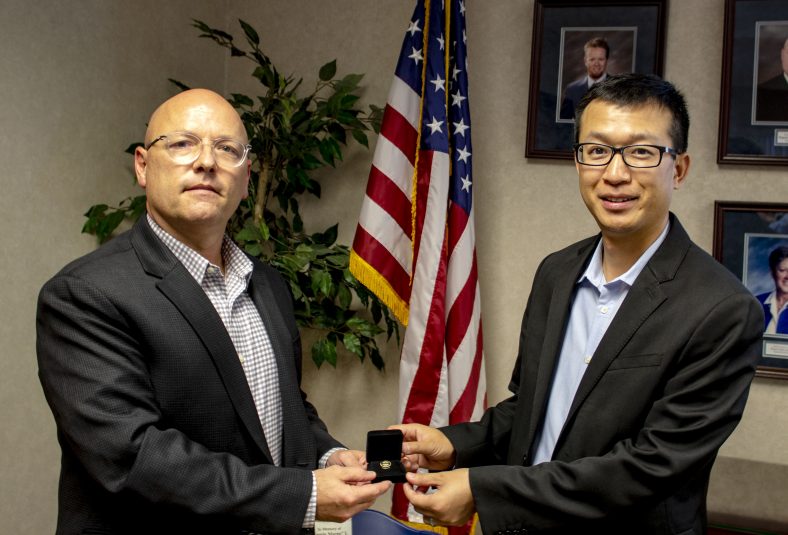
415,241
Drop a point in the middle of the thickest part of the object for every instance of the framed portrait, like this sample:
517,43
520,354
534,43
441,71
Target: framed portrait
754,93
575,44
751,240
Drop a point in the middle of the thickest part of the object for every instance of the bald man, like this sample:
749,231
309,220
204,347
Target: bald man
172,361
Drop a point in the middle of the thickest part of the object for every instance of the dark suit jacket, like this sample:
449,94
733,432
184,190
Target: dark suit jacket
572,95
772,100
664,389
157,426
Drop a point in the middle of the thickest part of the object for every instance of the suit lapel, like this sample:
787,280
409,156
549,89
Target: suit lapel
558,315
297,449
186,295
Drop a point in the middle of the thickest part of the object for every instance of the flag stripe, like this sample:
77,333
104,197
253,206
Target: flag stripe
390,198
460,314
466,407
383,262
425,382
406,101
394,165
397,130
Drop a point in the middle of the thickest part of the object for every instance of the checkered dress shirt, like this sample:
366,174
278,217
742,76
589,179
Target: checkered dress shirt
228,294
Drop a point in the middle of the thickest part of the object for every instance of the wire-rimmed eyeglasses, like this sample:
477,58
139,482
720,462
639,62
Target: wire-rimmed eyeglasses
184,148
639,156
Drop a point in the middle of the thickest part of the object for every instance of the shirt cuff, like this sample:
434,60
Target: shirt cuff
311,509
324,459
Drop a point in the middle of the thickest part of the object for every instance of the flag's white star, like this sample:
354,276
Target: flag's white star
461,127
462,155
457,98
464,38
466,184
438,83
416,55
455,72
413,27
462,8
441,41
435,125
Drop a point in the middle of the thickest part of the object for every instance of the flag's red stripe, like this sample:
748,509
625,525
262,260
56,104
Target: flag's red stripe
396,128
424,389
399,503
376,255
389,197
463,409
423,177
461,313
458,220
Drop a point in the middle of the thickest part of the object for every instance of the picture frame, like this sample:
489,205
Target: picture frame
635,33
745,236
753,115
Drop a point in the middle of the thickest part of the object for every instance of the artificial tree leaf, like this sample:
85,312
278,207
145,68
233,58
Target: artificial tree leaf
324,351
344,297
353,344
328,71
361,137
250,32
131,149
239,99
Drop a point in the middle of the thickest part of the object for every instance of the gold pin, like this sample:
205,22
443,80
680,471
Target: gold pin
385,465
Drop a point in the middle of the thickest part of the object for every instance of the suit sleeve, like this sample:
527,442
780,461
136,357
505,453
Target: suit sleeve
702,401
95,378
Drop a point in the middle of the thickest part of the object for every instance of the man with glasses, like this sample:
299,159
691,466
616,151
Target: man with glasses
636,355
171,361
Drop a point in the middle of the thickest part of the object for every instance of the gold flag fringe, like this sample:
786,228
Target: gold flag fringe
377,284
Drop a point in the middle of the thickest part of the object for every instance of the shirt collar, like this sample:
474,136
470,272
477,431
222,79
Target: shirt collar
236,263
594,274
591,81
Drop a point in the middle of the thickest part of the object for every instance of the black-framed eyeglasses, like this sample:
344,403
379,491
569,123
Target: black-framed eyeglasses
639,156
184,148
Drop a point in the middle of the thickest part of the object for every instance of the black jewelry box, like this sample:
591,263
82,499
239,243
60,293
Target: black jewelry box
384,455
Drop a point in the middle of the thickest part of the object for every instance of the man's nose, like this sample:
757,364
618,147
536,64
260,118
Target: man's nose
206,159
617,171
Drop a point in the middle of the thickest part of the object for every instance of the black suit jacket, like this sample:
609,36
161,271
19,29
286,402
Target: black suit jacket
156,422
772,100
664,389
573,93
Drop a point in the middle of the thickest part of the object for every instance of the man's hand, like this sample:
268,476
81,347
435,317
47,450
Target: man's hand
450,505
344,491
425,447
347,458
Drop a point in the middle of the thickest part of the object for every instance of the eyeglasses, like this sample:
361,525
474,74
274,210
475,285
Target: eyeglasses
639,156
184,148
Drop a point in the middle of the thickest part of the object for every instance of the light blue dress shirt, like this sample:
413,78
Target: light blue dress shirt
595,305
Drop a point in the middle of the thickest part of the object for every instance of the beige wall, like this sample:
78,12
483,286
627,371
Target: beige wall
79,79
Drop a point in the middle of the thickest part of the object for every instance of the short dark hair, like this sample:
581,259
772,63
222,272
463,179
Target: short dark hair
632,90
777,255
598,42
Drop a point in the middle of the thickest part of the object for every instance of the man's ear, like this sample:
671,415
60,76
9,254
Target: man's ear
680,169
141,166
